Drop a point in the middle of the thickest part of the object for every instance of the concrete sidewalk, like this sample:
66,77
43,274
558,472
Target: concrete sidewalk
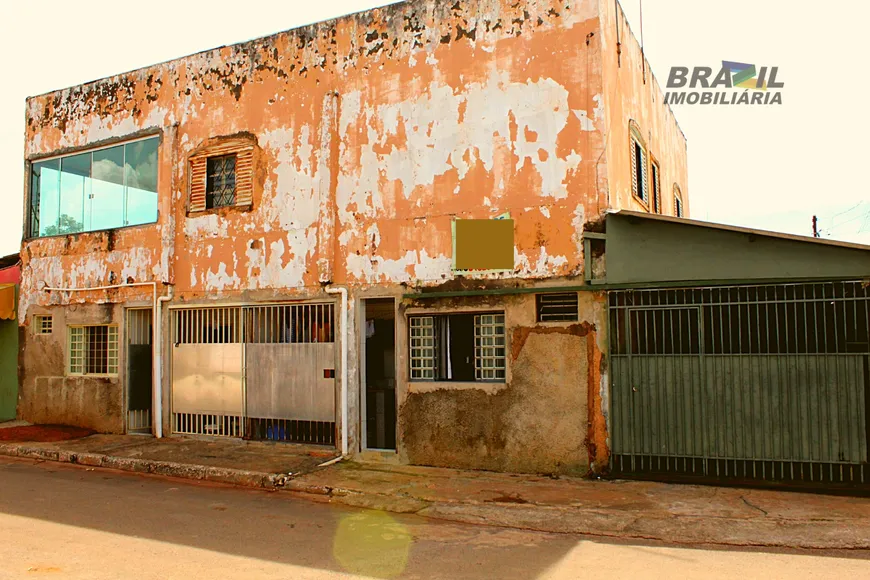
247,463
681,514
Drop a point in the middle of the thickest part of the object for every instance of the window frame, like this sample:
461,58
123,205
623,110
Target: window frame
39,326
557,300
246,185
211,195
655,170
84,356
477,349
679,210
639,186
86,149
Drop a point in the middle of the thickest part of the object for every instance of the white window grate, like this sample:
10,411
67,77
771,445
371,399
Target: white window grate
489,347
422,347
43,324
93,350
561,307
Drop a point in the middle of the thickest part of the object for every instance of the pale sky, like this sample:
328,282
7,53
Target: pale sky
768,167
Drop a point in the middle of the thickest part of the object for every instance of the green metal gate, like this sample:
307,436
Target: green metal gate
741,382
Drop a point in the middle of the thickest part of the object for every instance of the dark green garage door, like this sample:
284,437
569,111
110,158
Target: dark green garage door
741,383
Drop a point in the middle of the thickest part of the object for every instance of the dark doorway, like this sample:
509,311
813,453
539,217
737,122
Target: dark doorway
379,345
139,371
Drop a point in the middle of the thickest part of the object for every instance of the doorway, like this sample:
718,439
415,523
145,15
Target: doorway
378,343
139,371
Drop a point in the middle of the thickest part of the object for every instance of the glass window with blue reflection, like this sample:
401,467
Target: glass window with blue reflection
98,190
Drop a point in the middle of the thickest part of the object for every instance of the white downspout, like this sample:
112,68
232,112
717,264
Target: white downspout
344,345
157,386
157,391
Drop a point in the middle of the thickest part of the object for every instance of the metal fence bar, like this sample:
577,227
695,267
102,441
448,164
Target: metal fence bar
768,382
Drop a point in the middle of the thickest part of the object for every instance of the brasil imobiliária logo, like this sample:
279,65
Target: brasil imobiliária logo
736,83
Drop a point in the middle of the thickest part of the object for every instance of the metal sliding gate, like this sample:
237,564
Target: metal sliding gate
746,383
260,372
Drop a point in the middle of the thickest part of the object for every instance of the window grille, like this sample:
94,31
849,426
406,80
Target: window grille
93,350
221,175
559,307
422,347
489,347
43,324
220,188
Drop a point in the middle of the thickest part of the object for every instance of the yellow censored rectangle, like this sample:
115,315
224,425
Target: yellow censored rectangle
484,244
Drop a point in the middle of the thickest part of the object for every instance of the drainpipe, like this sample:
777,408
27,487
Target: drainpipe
157,391
344,345
157,386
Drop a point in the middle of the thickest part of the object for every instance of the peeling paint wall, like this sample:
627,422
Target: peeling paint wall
538,420
372,133
48,396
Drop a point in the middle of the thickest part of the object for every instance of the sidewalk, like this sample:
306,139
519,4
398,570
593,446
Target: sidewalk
247,463
682,514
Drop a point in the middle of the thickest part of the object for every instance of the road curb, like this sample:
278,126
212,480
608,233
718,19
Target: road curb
685,530
134,465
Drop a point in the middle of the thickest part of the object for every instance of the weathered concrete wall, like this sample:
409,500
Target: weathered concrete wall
538,420
632,93
373,132
49,395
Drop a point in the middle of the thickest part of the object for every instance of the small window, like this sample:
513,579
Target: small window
560,307
458,347
93,350
221,174
639,185
678,201
656,187
42,324
220,190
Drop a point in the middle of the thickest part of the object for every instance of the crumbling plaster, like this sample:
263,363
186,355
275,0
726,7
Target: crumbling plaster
374,131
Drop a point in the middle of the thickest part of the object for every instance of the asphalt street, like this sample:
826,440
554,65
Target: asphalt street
62,521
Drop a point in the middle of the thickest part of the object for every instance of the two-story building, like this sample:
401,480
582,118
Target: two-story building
366,233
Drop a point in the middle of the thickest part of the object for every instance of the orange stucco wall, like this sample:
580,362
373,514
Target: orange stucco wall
632,93
374,131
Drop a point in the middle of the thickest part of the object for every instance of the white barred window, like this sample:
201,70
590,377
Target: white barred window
458,347
489,347
93,350
42,324
422,347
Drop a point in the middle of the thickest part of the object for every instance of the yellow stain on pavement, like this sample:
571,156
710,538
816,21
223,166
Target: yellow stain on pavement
373,544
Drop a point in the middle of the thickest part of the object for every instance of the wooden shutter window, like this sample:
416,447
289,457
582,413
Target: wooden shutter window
197,183
639,190
633,155
244,174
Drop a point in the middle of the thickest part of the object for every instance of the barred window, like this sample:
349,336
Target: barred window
42,324
93,350
221,175
220,189
489,347
558,307
458,347
422,347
